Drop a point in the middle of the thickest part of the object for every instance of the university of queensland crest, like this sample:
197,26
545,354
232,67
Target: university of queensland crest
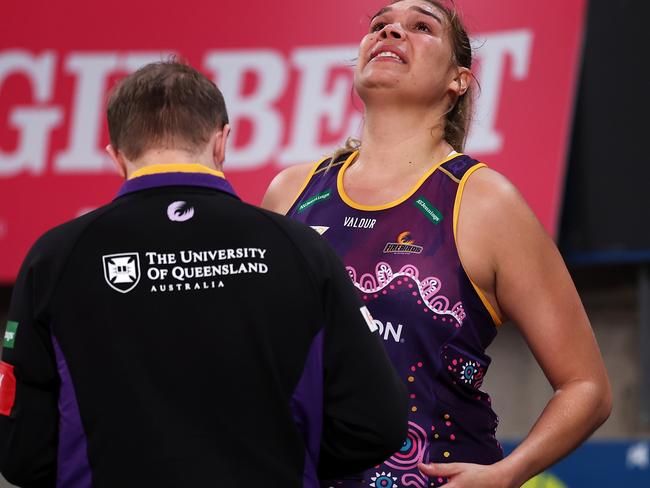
122,271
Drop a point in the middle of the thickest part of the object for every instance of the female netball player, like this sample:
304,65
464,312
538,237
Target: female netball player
442,250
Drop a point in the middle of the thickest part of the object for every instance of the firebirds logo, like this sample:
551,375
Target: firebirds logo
122,271
404,245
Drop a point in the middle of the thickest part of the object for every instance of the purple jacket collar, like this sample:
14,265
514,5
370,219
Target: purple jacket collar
176,175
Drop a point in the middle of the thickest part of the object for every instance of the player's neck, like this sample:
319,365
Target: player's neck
395,140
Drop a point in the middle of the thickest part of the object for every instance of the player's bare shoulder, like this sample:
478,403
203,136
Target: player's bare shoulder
285,187
492,202
487,192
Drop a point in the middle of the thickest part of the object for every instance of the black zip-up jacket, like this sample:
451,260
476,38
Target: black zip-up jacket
178,337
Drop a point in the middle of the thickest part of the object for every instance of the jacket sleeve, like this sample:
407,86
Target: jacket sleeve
28,388
366,417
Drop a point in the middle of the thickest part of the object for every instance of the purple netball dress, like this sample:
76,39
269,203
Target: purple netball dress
435,323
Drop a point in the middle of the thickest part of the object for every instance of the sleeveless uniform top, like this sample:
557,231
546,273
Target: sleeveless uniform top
435,323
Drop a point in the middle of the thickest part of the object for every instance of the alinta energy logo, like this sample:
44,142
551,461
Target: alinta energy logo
180,211
321,197
122,271
404,245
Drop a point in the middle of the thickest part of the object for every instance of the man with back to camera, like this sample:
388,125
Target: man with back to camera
177,337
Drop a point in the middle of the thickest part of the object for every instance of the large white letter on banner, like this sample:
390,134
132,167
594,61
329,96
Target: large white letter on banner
229,69
33,124
314,103
92,71
484,137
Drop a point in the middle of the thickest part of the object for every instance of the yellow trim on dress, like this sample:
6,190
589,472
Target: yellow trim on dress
155,169
329,166
459,195
451,176
306,182
394,203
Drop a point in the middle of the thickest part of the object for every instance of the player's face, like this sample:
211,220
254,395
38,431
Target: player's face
408,49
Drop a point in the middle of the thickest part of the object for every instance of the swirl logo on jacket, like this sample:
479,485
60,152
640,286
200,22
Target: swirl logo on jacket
180,211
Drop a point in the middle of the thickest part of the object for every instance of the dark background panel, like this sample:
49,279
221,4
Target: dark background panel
607,199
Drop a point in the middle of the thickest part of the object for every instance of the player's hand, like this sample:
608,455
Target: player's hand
466,475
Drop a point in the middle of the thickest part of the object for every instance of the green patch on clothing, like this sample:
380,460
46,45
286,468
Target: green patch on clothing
314,200
10,335
429,211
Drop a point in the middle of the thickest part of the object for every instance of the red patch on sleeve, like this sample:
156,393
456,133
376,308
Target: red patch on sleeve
7,388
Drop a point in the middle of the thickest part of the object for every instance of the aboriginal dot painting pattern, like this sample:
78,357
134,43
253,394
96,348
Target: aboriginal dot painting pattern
424,290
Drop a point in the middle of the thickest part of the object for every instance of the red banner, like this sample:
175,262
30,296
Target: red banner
285,69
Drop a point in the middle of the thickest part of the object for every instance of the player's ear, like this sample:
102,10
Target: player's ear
118,160
221,138
460,83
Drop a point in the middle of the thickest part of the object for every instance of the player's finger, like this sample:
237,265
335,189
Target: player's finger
443,470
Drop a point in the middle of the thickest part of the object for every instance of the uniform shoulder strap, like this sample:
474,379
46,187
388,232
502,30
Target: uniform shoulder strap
332,162
322,175
457,167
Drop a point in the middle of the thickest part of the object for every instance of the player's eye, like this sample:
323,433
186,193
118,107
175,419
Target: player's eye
377,26
422,27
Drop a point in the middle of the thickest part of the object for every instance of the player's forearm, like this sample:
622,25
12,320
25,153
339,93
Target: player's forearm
571,416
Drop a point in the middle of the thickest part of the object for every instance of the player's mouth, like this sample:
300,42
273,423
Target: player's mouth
388,53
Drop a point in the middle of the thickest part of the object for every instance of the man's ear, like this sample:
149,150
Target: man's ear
118,160
221,139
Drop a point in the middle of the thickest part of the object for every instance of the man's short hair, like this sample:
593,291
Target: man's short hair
167,105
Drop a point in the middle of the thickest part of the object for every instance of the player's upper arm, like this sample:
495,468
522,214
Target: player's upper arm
285,187
509,254
366,406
